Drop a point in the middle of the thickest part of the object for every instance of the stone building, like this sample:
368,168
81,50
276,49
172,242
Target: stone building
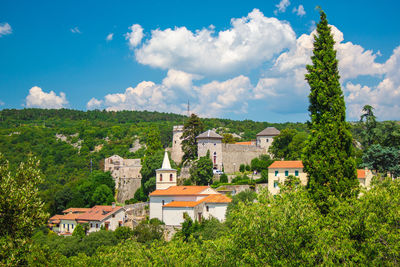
169,202
126,173
228,157
176,152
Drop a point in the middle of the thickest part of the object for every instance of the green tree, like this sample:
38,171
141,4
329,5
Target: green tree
369,129
122,233
79,231
242,167
382,159
21,210
191,129
280,145
102,195
329,155
153,142
201,172
228,138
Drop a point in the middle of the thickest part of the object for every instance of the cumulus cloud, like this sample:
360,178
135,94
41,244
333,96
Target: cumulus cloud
227,96
135,35
5,29
109,37
94,103
75,30
299,10
179,79
249,42
281,7
39,99
384,97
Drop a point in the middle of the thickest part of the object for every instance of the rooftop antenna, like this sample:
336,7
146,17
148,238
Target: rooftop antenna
188,109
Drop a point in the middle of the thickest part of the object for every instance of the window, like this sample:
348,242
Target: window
97,225
275,184
276,173
72,226
296,173
286,173
163,202
171,177
160,177
113,215
215,144
267,140
91,225
207,208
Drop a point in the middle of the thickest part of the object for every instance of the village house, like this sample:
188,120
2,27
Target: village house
280,170
110,217
170,202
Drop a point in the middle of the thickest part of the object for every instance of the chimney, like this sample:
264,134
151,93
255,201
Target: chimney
113,205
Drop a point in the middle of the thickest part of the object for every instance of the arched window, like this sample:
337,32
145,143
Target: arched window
160,177
171,176
215,157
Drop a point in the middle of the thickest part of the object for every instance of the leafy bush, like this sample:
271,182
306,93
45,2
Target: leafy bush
223,178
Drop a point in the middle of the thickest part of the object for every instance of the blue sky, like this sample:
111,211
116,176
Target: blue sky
230,59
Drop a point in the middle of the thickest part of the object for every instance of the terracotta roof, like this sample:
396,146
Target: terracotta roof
287,164
70,216
209,134
186,204
247,143
55,219
98,213
216,198
179,190
360,173
269,131
80,210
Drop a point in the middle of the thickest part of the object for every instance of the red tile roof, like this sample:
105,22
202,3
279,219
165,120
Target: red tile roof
286,164
360,173
215,198
97,213
80,210
186,204
247,143
179,190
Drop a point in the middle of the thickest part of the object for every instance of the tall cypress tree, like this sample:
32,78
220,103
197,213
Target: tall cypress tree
329,154
192,128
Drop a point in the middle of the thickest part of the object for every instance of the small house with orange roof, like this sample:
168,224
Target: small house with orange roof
170,202
364,176
110,217
280,170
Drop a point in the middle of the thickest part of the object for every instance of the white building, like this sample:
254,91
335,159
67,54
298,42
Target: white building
169,202
110,217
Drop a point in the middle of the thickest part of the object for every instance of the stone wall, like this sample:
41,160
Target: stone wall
233,155
177,153
135,213
126,188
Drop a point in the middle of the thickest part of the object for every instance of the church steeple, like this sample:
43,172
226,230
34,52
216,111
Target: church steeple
166,176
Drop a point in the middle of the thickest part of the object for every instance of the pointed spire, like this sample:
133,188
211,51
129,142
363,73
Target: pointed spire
166,164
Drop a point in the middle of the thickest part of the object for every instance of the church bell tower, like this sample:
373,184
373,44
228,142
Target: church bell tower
166,176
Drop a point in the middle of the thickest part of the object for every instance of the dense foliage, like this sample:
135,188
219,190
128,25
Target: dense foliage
329,155
191,129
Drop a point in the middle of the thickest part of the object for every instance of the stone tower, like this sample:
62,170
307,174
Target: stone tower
166,176
211,141
266,136
177,153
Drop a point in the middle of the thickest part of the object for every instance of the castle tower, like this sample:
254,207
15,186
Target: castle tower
177,153
211,141
166,176
266,136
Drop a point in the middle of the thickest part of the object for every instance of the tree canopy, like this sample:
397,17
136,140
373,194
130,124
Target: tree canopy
329,154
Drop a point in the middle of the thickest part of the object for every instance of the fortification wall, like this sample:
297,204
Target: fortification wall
126,188
233,155
176,152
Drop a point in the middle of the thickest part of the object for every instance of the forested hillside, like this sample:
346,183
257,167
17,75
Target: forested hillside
71,143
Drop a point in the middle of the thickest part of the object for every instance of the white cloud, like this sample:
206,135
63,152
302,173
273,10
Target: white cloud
283,4
2,103
229,96
94,103
249,42
109,37
384,97
75,30
39,99
5,29
299,10
179,79
145,96
135,36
